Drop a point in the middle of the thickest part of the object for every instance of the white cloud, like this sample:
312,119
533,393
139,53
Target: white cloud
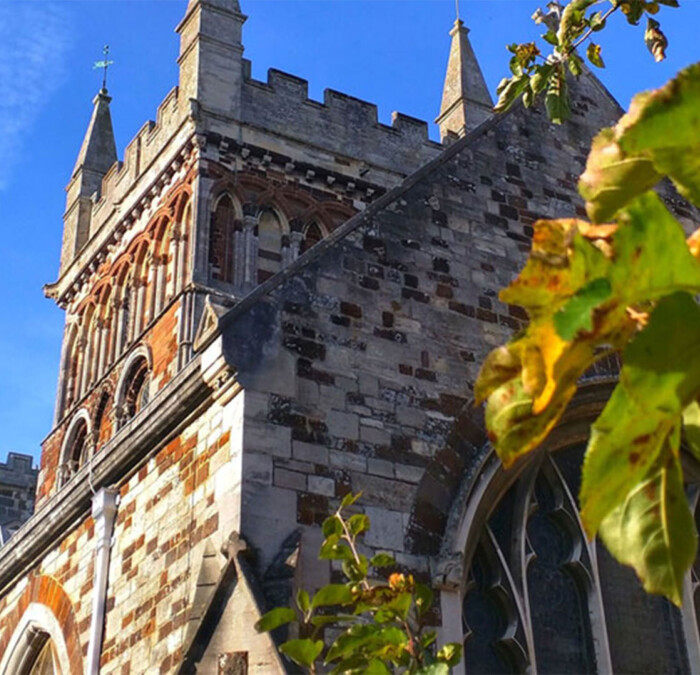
34,40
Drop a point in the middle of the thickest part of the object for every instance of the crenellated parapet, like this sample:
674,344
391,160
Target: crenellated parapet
341,124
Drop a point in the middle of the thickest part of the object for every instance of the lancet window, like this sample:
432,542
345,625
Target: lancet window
312,235
134,389
144,280
222,248
540,598
269,244
75,449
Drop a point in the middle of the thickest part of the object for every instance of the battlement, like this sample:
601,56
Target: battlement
139,154
18,471
341,124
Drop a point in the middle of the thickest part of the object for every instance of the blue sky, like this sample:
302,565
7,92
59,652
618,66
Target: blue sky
390,52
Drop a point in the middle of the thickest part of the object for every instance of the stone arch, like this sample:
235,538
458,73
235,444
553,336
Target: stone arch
139,362
452,471
37,611
69,369
76,446
224,241
476,564
102,417
272,232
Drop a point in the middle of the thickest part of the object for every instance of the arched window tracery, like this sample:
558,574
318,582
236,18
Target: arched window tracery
269,244
539,597
222,248
312,235
103,423
134,389
75,450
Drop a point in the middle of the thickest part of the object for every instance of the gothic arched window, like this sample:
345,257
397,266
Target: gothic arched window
221,240
103,423
540,597
75,449
135,389
269,245
312,235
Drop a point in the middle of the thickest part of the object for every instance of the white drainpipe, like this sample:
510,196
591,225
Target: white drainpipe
104,512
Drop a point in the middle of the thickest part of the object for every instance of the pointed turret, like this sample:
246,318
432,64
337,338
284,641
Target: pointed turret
99,151
211,55
97,154
466,101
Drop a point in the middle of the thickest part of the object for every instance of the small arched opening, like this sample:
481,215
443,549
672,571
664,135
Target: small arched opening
222,239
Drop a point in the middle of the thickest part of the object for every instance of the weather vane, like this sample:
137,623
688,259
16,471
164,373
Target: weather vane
457,7
105,63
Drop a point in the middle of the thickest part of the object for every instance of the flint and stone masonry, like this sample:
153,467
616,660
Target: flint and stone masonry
273,301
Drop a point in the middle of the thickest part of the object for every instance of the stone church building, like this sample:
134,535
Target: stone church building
271,301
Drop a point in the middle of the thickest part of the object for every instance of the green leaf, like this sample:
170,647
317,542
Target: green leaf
303,600
399,608
350,499
540,78
593,53
332,526
557,98
652,258
428,638
691,428
354,570
597,22
358,524
451,654
434,669
514,429
332,550
377,667
654,531
332,594
612,179
669,3
660,376
275,618
382,560
424,598
551,37
575,64
303,652
328,619
508,92
577,313
573,21
659,136
360,636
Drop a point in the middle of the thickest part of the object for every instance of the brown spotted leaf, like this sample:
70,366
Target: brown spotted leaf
653,530
660,377
660,136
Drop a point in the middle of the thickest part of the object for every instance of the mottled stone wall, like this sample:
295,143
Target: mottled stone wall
357,367
161,341
17,487
185,495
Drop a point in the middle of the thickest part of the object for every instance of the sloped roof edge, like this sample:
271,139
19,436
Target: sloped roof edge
350,226
372,210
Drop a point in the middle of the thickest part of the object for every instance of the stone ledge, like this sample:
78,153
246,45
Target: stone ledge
184,397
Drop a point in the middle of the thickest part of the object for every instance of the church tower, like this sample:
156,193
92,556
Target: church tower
271,302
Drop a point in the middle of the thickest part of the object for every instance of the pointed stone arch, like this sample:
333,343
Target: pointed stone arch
76,446
43,611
